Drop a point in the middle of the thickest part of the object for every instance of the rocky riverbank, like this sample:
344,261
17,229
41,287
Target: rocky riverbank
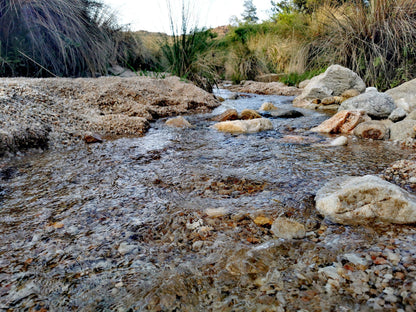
37,113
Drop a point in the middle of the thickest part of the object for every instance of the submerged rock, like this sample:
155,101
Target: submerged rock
286,113
248,114
229,114
376,104
244,126
340,141
178,122
342,122
268,106
358,200
288,228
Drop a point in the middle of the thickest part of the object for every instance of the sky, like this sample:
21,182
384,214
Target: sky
152,15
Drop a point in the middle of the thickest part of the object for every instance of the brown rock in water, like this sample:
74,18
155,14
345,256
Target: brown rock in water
374,129
332,100
316,101
249,114
263,221
342,122
350,93
178,122
92,138
229,114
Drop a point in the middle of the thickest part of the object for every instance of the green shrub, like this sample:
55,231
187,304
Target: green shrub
190,52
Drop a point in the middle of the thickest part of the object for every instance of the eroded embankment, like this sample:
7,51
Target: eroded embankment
59,111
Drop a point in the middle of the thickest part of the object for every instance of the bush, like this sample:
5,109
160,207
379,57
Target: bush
190,52
56,37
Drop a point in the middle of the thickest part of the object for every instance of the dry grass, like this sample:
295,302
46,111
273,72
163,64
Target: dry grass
374,40
57,37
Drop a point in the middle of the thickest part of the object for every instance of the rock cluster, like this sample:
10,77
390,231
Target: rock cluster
328,88
384,116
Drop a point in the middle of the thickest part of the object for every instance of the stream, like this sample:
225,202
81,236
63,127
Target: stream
165,222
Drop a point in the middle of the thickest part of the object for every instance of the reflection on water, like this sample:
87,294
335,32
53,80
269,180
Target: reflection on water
123,225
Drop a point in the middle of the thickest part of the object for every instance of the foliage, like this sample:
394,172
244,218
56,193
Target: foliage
190,53
250,12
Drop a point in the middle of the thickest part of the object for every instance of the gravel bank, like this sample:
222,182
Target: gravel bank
55,112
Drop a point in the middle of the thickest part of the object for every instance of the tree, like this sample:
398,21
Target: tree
250,12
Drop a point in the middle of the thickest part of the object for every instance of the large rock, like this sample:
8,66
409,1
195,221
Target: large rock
373,129
342,122
244,126
403,130
376,104
405,95
358,200
333,82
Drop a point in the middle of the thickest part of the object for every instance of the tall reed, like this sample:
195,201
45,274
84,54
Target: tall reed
189,52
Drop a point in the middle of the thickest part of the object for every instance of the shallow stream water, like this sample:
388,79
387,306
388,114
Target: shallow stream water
164,222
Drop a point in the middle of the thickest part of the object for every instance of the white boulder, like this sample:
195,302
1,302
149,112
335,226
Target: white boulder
358,200
376,104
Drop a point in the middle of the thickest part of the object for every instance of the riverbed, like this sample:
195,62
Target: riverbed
166,222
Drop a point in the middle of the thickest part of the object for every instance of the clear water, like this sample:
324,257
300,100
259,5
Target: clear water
123,225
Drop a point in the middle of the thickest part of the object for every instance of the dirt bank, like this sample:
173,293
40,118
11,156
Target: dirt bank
59,111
